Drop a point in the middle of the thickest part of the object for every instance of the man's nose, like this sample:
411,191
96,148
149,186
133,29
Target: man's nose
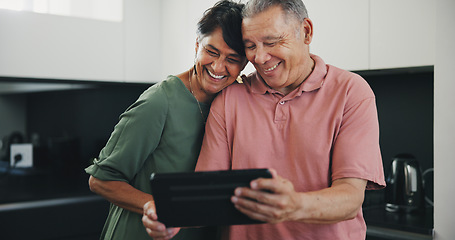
262,56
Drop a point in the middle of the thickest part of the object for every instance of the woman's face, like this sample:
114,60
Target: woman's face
217,64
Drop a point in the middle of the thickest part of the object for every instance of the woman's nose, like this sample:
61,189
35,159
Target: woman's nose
218,65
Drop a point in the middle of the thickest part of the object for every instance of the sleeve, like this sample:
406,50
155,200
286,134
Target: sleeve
356,151
215,151
135,137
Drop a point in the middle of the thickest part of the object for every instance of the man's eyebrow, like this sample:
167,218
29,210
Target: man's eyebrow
245,41
273,38
266,38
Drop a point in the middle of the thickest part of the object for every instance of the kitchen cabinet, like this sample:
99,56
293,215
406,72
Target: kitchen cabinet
36,45
341,32
365,35
63,218
402,33
178,33
47,46
157,38
382,224
54,47
142,41
343,43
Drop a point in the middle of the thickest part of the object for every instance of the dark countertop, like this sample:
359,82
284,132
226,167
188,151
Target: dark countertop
58,205
18,185
420,223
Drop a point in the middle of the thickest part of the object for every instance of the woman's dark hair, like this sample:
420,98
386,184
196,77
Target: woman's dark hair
227,15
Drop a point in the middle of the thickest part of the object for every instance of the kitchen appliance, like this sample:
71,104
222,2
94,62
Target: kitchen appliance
21,155
5,146
404,191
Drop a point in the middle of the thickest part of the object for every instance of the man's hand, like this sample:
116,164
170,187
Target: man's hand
275,200
269,200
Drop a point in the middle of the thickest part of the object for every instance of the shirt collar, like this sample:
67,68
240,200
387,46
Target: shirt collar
314,81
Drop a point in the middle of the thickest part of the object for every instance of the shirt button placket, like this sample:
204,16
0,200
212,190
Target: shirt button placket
280,112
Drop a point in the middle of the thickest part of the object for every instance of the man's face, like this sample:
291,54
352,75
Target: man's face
278,48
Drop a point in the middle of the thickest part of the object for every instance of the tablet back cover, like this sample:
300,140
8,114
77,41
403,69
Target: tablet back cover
201,198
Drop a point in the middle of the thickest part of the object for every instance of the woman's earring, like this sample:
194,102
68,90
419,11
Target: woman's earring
239,79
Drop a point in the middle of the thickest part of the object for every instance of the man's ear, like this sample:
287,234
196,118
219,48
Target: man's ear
307,26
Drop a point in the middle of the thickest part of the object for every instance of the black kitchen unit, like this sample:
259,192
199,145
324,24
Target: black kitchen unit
53,201
68,127
405,110
384,225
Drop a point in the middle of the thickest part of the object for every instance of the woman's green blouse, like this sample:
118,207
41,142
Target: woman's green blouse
161,132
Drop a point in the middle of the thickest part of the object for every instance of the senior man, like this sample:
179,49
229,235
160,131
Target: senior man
313,124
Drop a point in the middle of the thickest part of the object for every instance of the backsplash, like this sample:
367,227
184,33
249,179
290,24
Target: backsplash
82,119
405,111
88,115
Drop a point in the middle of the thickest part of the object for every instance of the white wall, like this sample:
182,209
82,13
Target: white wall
444,122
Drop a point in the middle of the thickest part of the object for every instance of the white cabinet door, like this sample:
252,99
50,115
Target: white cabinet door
142,35
178,33
341,32
55,47
402,33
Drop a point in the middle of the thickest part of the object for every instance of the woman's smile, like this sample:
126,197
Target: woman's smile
213,75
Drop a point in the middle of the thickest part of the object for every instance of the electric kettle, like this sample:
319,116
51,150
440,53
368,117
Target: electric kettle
404,191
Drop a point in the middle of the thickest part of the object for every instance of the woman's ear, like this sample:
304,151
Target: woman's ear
197,45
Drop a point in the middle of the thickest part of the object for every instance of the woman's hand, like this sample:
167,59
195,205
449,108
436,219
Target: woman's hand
154,228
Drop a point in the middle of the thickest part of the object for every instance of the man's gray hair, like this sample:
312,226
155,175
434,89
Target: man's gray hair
292,8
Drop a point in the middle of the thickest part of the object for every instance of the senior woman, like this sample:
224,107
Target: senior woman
163,130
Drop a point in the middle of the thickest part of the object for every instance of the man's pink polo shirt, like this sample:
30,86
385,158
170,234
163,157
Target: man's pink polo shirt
324,130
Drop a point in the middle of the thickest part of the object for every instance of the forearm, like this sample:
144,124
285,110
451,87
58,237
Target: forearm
340,202
121,194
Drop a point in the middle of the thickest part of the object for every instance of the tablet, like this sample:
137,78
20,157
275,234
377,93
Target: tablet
201,198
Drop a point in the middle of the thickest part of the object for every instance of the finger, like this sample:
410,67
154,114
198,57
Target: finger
256,195
274,185
254,185
270,205
254,210
157,228
158,235
148,205
172,232
257,201
273,172
149,210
